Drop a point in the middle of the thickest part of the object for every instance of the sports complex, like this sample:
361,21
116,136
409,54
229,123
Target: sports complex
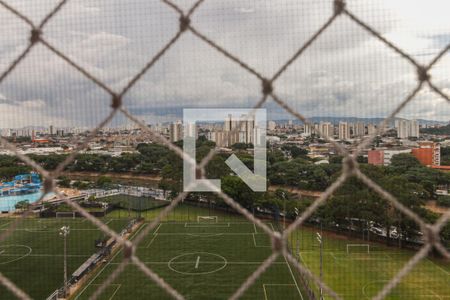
208,254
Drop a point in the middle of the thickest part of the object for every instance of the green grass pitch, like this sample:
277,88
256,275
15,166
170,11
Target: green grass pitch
361,275
357,275
209,260
32,256
202,261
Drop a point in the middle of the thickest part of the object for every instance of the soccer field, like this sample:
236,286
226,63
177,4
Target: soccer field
361,274
32,257
209,259
202,261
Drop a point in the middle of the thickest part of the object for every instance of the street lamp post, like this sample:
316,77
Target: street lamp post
64,232
319,239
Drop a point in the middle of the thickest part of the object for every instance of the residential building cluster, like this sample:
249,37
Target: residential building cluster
403,136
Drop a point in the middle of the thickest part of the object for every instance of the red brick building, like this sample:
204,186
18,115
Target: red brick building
428,153
376,157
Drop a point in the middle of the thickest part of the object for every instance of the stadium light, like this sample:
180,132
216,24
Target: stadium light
319,238
64,232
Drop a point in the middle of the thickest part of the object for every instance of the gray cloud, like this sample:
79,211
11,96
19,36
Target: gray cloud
345,73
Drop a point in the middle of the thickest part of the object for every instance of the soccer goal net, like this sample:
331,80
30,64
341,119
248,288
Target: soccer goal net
358,248
66,214
207,219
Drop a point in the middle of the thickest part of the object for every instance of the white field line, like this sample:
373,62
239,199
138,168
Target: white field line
439,267
265,293
6,224
254,241
194,222
197,262
204,233
274,284
293,277
115,291
151,241
43,255
207,262
254,226
332,255
192,225
107,264
157,228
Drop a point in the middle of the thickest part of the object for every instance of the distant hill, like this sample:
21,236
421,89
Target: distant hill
336,120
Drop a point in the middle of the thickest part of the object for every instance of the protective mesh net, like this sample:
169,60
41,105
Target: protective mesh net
186,24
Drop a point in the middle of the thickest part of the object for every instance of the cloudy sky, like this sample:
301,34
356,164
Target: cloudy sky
345,73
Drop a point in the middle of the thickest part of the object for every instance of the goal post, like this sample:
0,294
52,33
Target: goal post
365,247
66,214
207,219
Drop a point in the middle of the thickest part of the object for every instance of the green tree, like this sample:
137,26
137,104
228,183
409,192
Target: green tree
64,182
22,205
104,181
404,162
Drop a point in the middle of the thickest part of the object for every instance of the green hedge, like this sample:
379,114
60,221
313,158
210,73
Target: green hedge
443,201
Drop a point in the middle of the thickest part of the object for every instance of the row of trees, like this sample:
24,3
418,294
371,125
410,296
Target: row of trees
411,183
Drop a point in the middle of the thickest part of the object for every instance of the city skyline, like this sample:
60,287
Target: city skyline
347,72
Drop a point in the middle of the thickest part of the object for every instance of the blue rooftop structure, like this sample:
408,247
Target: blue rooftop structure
23,187
22,184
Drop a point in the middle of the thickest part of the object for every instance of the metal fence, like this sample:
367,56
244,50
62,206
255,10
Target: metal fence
268,91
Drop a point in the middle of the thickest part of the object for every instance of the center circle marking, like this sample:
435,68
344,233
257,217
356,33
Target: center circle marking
213,258
15,247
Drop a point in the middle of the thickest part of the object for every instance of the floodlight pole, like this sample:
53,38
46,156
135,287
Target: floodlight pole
296,235
284,210
319,238
64,232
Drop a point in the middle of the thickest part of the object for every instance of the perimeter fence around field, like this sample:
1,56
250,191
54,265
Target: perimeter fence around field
186,23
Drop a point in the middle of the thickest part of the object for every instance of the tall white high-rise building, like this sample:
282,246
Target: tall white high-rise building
414,129
308,129
176,131
359,129
407,128
326,129
344,131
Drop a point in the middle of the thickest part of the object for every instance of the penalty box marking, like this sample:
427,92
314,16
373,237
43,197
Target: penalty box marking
196,225
274,284
254,241
268,224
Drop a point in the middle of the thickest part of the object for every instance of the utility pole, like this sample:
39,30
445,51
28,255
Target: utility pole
319,238
64,232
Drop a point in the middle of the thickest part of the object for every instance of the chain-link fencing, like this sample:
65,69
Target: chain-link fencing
268,91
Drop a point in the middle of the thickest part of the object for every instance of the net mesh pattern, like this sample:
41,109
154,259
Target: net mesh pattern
268,93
